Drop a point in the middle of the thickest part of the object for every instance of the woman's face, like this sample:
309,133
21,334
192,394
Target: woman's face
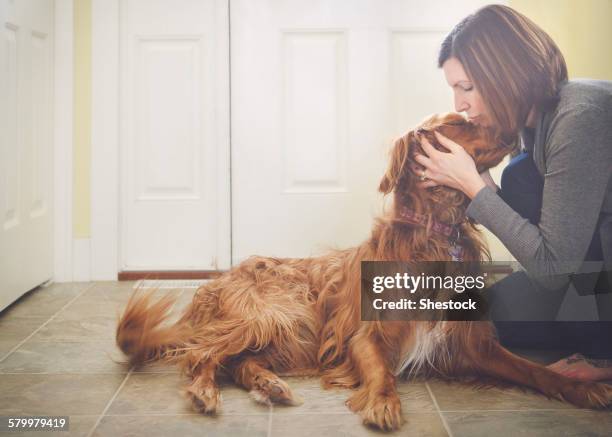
467,98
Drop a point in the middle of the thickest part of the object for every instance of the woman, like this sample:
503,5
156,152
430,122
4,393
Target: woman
554,209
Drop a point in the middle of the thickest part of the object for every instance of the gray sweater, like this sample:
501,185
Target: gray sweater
573,152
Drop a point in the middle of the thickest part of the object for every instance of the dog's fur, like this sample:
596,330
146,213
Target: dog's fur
270,316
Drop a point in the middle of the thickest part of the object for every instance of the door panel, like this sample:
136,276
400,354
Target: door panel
319,91
174,142
26,120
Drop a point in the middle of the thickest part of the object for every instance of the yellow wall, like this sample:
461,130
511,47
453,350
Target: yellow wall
82,118
581,28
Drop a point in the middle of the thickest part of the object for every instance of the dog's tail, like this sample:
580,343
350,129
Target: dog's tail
141,332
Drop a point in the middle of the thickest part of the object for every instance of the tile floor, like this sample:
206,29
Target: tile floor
57,357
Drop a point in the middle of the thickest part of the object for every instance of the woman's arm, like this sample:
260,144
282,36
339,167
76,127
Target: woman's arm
578,172
579,168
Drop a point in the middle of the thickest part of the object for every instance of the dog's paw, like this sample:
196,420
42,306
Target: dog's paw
588,394
383,412
267,390
204,399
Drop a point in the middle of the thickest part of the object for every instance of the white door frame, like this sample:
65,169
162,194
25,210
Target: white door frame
63,140
105,252
105,140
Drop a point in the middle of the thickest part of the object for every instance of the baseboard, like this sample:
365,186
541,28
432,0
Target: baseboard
134,275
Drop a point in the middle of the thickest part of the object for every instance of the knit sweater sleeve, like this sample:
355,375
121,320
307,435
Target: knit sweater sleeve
578,169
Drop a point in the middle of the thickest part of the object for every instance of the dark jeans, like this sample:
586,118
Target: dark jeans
521,189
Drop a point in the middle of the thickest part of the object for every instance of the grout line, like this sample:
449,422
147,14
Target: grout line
442,418
270,411
93,284
108,404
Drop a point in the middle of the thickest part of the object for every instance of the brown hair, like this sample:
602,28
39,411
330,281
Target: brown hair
512,62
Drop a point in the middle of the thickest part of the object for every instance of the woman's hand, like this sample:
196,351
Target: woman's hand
455,169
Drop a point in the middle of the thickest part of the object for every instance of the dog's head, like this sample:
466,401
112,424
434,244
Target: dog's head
403,174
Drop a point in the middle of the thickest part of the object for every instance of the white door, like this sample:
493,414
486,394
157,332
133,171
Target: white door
174,134
319,91
26,143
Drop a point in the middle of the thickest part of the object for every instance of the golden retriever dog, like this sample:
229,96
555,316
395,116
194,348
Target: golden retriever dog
278,316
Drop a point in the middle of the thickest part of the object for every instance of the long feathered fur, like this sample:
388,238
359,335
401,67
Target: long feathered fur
274,316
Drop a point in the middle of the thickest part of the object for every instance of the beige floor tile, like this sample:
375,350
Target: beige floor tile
59,395
91,317
106,299
45,301
64,357
157,367
316,399
18,327
15,329
82,370
530,423
6,346
183,426
333,425
414,397
74,327
160,393
463,397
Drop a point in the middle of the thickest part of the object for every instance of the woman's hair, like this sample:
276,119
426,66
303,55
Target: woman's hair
511,61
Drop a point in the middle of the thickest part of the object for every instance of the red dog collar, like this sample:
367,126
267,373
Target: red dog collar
415,218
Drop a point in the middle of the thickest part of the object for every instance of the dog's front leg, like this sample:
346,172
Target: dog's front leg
376,399
203,391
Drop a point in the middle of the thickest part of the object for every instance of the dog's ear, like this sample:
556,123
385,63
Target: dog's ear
399,155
